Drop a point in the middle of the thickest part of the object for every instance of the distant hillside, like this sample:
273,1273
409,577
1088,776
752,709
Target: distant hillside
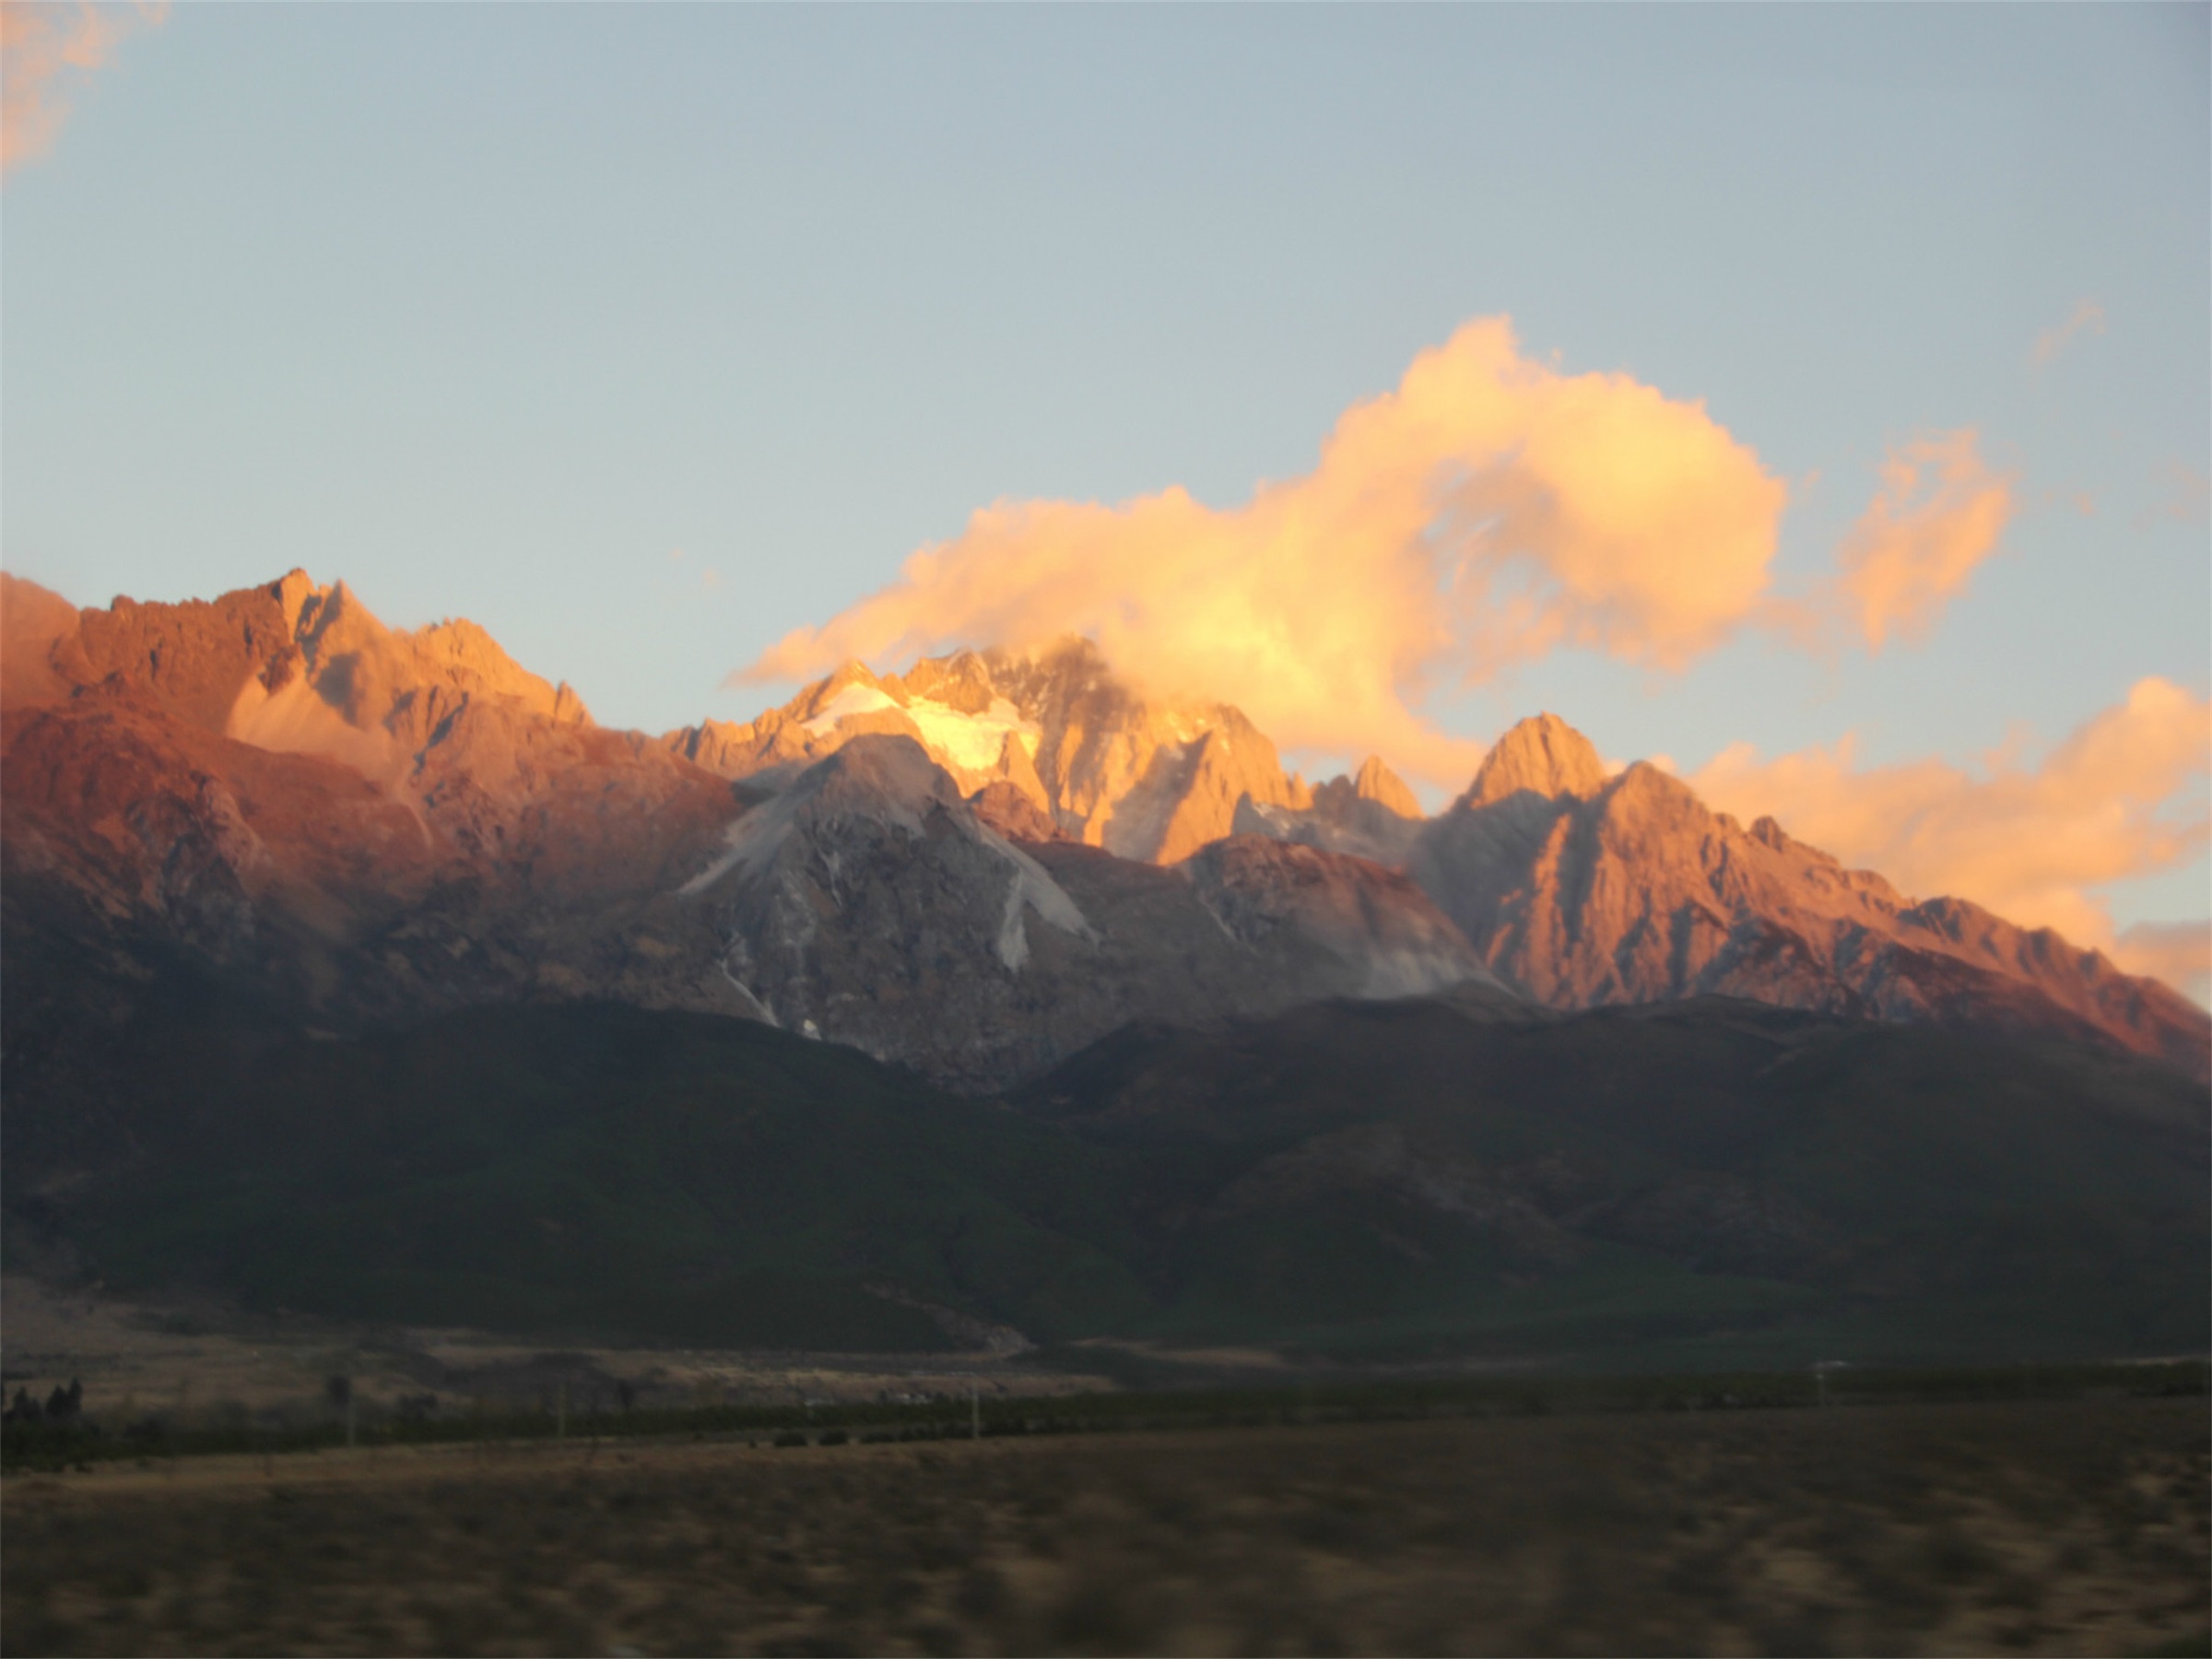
1706,1178
1716,1182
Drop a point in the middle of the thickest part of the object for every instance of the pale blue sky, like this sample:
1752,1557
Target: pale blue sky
487,309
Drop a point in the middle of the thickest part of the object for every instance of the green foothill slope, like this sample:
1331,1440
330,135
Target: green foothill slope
600,1170
1708,1183
1698,1181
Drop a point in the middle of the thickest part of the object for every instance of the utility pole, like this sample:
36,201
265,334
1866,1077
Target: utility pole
560,1422
975,1412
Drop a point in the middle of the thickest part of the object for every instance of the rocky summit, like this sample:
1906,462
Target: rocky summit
372,825
1107,766
1586,890
976,868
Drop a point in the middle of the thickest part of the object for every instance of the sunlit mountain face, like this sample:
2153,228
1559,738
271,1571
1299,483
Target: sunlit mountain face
976,866
1109,767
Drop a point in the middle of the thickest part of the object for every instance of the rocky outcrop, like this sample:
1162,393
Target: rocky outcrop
33,622
1586,890
426,826
1382,787
291,668
1006,809
136,833
1112,768
975,867
868,903
368,825
1543,755
1373,817
1375,921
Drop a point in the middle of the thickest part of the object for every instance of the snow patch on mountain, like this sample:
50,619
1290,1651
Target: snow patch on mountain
751,842
971,742
1040,893
855,698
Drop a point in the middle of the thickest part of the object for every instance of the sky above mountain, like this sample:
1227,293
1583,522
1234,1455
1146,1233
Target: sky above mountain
1815,397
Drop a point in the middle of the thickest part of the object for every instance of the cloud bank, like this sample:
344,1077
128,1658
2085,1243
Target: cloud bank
1488,511
44,50
2120,796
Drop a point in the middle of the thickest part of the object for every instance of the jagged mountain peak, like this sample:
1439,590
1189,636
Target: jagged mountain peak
1013,814
1378,783
1542,754
888,767
315,650
1105,762
33,622
962,682
457,767
1587,891
849,673
885,779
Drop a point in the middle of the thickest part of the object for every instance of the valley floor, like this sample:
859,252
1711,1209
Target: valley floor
2027,1526
208,1364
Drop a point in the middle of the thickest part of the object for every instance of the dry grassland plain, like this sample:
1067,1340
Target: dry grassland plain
2031,1526
197,1364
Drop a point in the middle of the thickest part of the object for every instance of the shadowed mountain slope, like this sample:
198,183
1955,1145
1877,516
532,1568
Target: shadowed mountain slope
1706,1178
1712,1183
867,902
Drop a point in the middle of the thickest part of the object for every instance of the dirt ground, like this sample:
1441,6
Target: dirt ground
2052,1527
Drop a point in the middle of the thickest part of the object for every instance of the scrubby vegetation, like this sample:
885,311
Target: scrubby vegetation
56,1442
2023,1527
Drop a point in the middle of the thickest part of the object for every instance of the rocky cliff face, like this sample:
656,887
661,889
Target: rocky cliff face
1373,816
1586,890
869,904
1374,921
1112,768
1541,755
369,825
293,668
976,868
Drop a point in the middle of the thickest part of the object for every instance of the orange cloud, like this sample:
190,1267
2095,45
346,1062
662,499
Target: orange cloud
1938,513
2120,797
44,50
1490,509
2086,314
2178,952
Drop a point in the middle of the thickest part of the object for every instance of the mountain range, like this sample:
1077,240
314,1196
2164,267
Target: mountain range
359,972
977,867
